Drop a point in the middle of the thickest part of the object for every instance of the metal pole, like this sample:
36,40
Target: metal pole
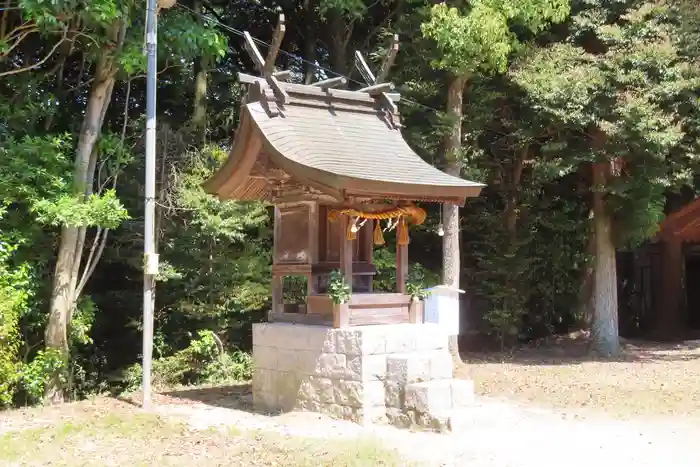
149,245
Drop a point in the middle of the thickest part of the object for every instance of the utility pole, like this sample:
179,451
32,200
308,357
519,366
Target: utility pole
150,260
150,267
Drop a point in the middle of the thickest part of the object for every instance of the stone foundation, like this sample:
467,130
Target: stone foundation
399,373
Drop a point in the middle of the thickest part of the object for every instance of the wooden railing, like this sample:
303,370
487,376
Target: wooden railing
361,309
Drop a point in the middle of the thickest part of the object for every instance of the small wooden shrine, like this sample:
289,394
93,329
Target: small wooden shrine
659,283
336,168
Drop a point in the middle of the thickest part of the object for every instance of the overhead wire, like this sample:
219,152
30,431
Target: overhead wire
294,56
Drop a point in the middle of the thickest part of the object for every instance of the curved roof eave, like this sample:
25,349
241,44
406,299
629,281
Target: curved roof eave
240,157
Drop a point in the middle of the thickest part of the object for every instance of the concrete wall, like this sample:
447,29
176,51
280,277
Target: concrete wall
359,373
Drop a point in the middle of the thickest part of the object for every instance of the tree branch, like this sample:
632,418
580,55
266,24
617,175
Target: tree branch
38,64
20,38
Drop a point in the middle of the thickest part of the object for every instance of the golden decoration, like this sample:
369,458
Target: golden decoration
401,213
378,235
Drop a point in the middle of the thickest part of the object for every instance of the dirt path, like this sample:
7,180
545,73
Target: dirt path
499,434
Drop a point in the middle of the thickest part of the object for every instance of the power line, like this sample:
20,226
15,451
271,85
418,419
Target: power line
294,56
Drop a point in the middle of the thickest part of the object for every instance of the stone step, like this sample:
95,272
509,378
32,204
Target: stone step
415,367
453,421
438,396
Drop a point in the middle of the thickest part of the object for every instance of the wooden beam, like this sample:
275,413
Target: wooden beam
253,51
282,75
378,88
388,60
280,93
363,68
301,318
331,82
269,65
386,100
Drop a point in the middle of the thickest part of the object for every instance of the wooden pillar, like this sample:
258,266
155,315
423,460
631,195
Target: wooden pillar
313,247
341,312
415,311
277,279
345,250
670,313
401,267
277,284
368,237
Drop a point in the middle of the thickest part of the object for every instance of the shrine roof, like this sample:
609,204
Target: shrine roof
346,141
683,224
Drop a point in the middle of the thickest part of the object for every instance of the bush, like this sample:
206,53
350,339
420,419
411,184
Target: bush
13,303
204,361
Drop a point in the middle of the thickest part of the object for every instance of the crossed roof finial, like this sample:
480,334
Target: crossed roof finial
376,85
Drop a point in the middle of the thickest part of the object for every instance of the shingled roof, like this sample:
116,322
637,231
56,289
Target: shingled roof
343,143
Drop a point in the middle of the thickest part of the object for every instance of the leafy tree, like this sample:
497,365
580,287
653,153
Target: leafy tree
475,39
624,120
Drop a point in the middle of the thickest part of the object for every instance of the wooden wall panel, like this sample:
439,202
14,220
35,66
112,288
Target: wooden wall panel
291,242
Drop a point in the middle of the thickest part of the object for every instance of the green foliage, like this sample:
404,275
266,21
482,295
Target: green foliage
82,321
416,290
338,289
481,40
103,210
179,36
35,168
294,289
216,252
14,294
203,362
620,102
35,375
350,8
385,280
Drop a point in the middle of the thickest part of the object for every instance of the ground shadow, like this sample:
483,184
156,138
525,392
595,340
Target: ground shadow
236,396
568,351
232,396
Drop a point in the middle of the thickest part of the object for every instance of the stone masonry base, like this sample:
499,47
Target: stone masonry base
397,373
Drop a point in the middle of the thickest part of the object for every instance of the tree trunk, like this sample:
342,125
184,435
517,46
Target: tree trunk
199,115
513,196
309,40
453,166
604,328
63,293
450,212
585,295
340,32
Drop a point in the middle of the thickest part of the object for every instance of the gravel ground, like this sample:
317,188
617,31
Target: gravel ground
498,434
648,380
539,406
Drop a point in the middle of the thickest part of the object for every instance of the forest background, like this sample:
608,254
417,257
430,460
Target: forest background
581,117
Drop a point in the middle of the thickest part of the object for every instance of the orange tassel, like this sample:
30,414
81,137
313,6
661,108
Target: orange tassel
350,234
378,235
402,232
